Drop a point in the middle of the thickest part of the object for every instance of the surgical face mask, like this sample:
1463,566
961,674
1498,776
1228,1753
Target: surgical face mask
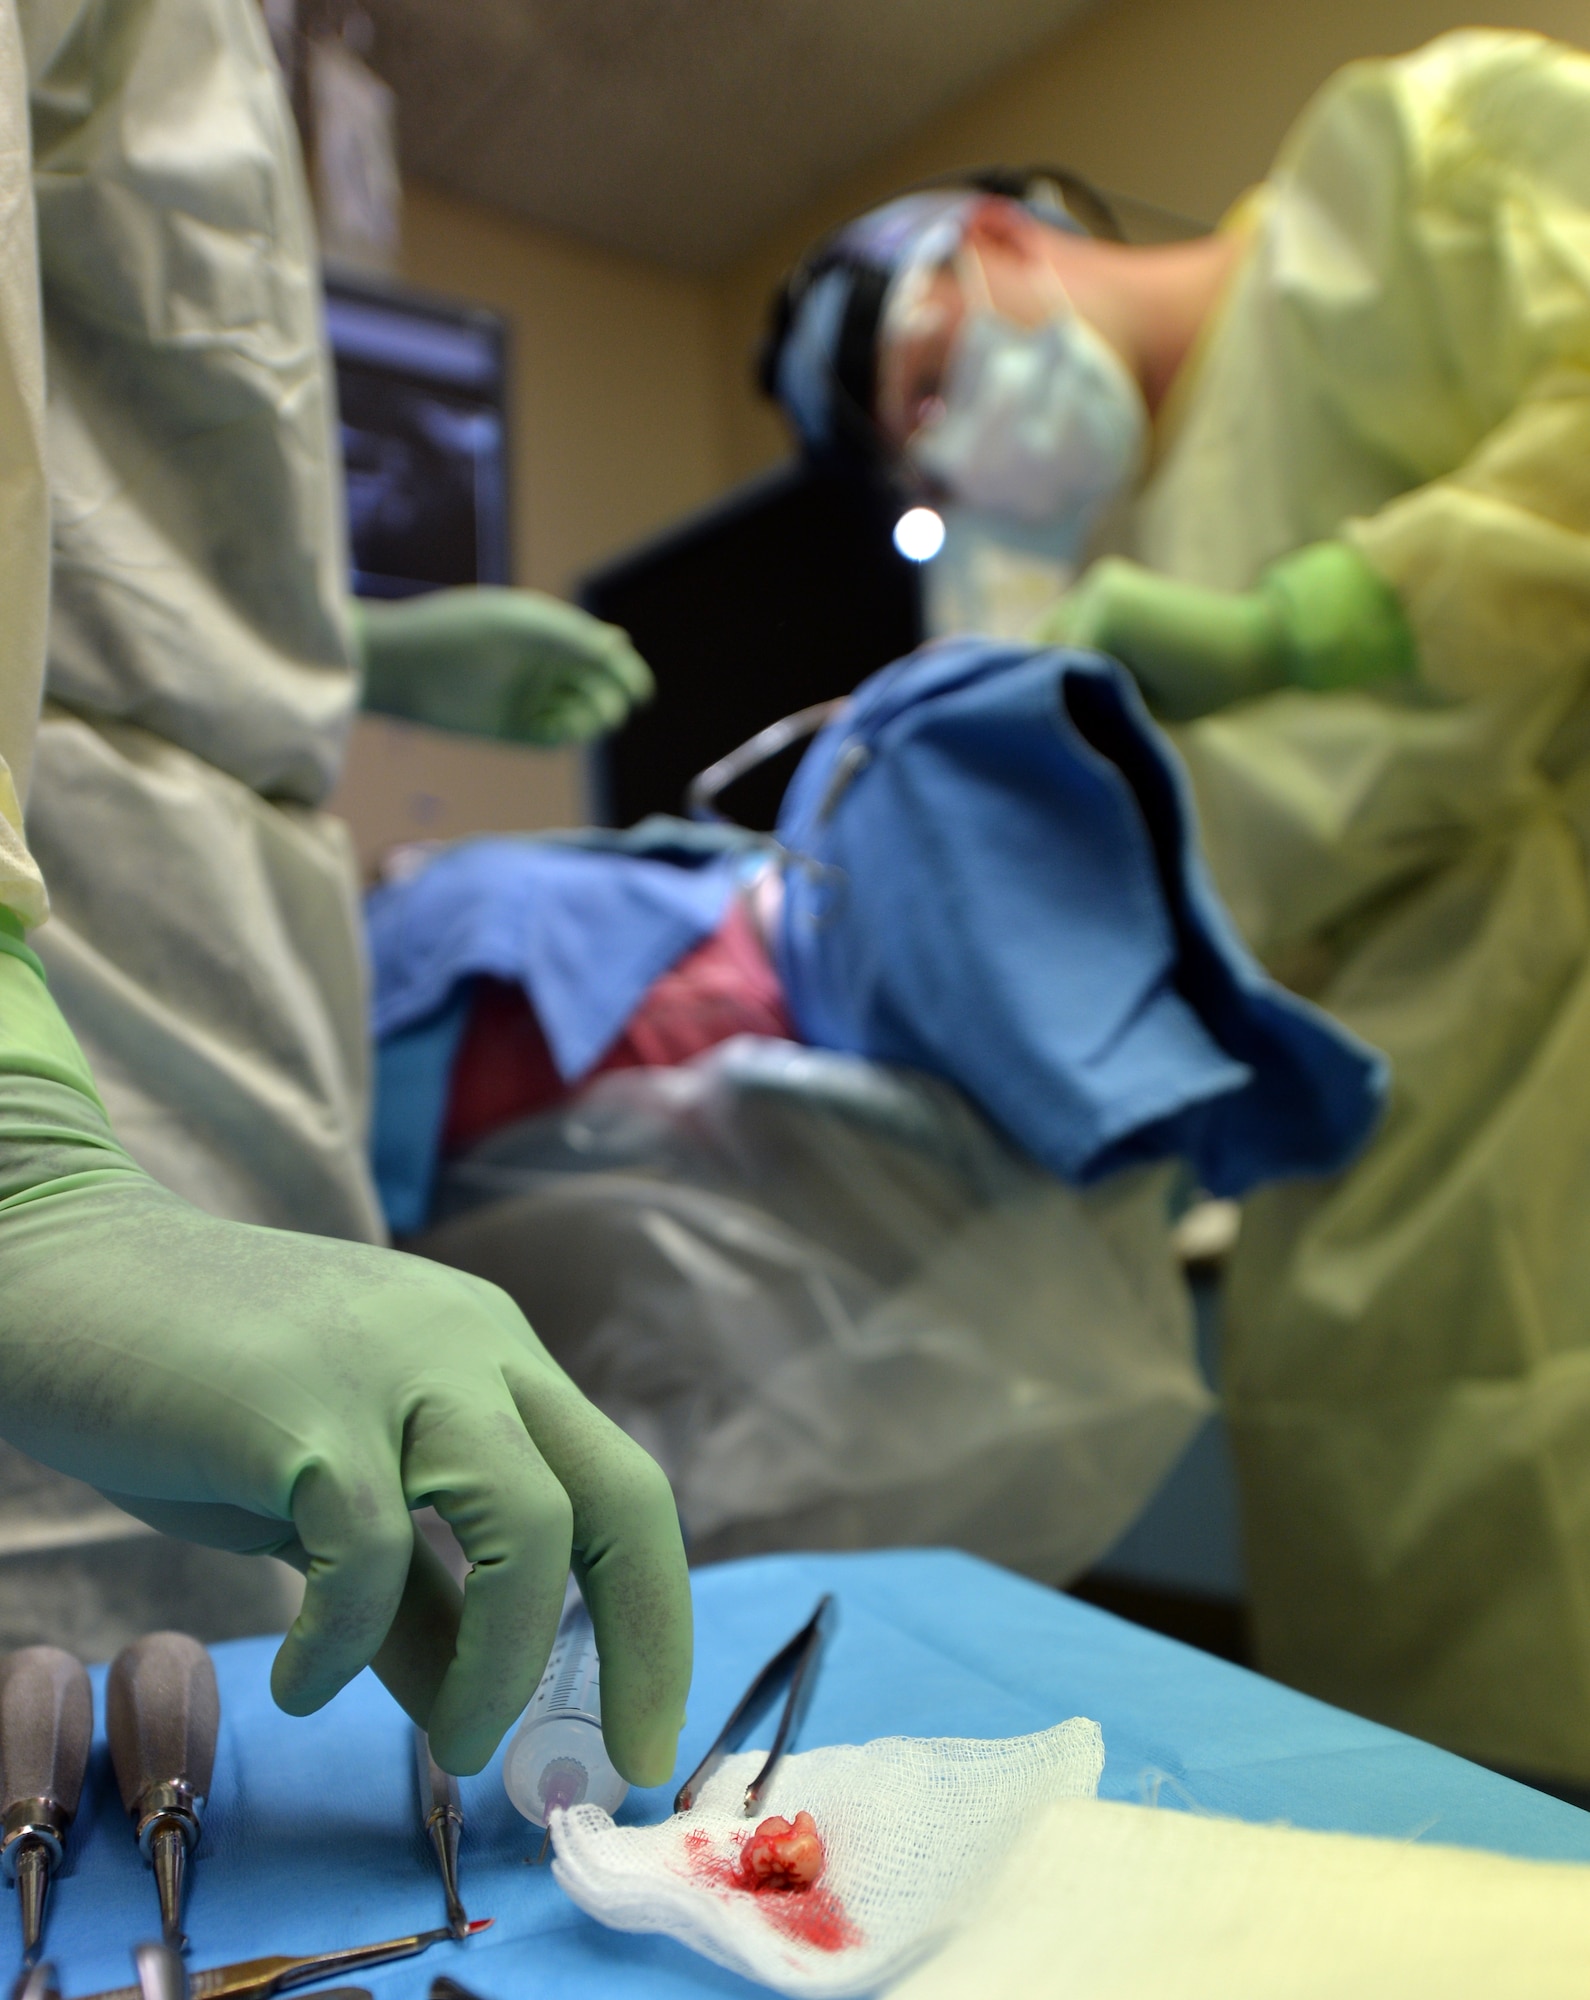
1043,423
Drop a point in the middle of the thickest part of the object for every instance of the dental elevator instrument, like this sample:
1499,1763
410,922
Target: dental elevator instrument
163,1713
46,1725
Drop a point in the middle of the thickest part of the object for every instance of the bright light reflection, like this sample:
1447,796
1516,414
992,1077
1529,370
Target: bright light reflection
919,534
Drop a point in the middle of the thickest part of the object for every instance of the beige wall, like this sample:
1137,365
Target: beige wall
1179,102
617,413
617,405
401,783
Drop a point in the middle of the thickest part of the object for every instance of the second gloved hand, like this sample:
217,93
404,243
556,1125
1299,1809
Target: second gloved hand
1319,619
262,1391
514,665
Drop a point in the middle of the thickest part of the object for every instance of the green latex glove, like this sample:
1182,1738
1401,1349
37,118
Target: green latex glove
514,665
256,1390
1322,618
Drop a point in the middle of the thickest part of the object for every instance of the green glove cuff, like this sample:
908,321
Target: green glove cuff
1341,622
13,939
1190,648
54,1130
34,1038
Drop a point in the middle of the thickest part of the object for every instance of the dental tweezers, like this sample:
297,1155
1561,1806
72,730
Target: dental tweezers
794,1665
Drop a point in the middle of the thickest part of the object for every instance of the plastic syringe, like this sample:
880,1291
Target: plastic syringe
557,1757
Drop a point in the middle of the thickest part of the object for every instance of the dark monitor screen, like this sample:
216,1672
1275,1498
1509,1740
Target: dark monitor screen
786,593
421,388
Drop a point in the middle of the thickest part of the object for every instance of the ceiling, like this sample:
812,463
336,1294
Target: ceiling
678,130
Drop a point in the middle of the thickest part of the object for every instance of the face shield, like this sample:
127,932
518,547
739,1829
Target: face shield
820,362
1038,420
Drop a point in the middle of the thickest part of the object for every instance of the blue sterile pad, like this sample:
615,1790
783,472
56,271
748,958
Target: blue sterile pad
584,924
312,1838
584,932
994,875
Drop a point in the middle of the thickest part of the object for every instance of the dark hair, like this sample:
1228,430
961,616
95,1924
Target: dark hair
1051,193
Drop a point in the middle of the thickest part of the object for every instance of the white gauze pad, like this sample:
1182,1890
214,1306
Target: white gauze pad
913,1828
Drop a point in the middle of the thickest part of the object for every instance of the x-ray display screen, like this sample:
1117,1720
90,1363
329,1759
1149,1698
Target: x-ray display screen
424,440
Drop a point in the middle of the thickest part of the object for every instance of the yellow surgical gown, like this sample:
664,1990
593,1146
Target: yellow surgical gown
1403,359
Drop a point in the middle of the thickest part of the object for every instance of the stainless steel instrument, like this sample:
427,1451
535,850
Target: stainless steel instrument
46,1724
793,1666
259,1978
164,1714
442,1816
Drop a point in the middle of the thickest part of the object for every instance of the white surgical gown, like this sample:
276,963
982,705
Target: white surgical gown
204,941
1403,359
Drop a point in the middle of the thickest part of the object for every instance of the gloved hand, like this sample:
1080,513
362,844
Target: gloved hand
1321,618
515,665
261,1391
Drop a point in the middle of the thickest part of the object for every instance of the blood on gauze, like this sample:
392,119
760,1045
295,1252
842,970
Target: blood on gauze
807,1914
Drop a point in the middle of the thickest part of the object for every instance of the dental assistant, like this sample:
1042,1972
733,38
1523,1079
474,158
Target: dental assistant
1347,441
166,460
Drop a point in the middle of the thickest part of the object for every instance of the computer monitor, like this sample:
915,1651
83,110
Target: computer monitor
786,593
421,385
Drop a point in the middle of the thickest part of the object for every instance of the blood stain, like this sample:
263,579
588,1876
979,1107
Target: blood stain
800,1908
